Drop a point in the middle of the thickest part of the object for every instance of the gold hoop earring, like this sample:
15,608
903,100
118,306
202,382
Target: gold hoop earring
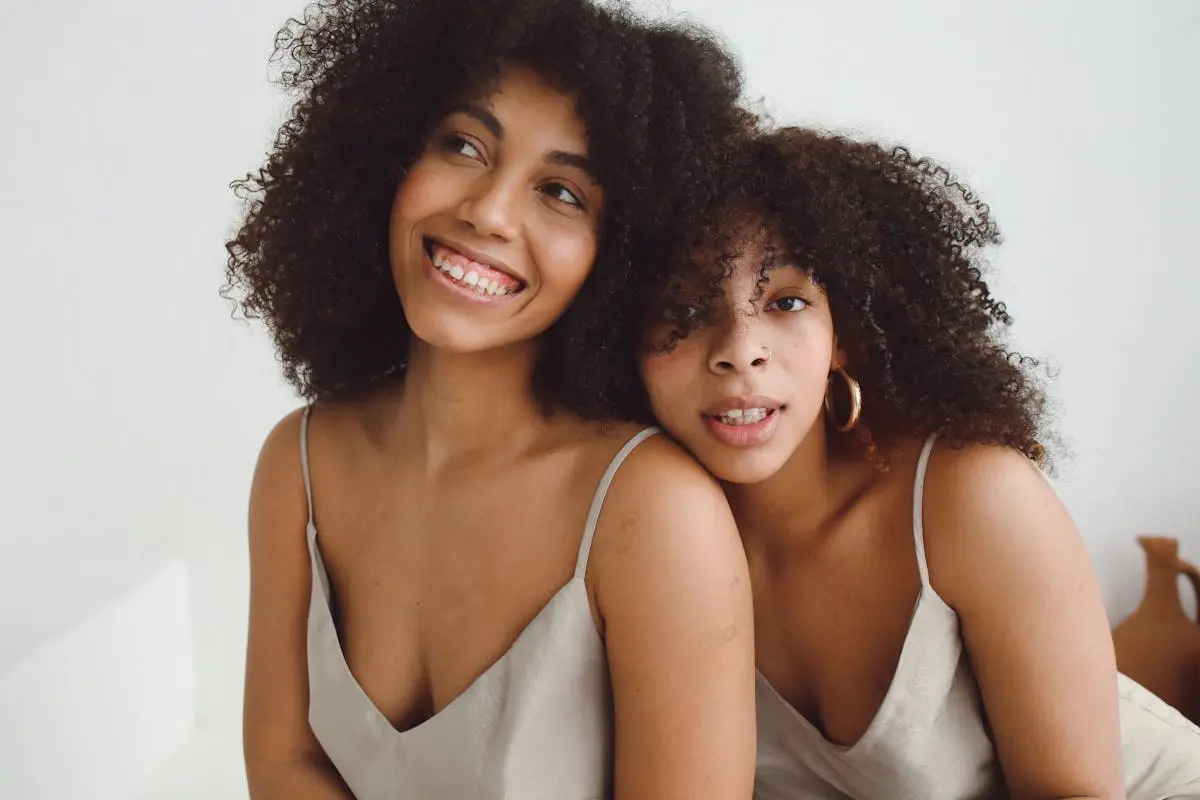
855,392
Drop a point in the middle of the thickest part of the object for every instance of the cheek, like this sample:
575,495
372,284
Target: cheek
806,361
420,192
565,255
668,378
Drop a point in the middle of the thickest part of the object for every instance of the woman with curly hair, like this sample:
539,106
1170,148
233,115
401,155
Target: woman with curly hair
449,243
927,621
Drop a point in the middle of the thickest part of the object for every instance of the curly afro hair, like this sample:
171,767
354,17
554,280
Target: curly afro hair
896,244
373,77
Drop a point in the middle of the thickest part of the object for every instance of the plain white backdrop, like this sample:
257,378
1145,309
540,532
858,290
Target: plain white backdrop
133,405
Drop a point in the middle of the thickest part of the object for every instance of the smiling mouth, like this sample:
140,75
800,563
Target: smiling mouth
469,274
743,416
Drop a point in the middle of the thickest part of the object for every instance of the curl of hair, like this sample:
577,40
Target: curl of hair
372,78
896,243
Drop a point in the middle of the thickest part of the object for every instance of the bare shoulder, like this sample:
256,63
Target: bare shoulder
976,475
284,436
663,514
278,496
277,475
983,491
986,504
659,463
660,490
656,473
1005,555
673,593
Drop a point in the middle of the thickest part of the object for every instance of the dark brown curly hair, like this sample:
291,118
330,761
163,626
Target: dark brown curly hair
373,77
896,243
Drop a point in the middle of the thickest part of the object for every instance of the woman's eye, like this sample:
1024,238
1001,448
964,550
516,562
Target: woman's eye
453,143
789,303
562,194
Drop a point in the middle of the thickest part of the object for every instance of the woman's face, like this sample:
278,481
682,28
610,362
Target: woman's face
494,228
742,393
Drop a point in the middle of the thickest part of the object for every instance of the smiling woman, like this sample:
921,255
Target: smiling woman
515,591
502,210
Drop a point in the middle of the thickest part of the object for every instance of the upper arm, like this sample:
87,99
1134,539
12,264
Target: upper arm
1006,556
275,718
673,591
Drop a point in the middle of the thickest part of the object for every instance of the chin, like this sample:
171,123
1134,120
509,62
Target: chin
445,325
743,473
740,466
442,331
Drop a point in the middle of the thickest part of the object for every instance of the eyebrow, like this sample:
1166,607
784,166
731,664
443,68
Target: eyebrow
481,115
581,163
560,158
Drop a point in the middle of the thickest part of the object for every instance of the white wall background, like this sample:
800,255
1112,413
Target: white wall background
133,406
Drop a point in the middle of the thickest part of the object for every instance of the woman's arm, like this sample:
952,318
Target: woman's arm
1004,553
673,591
283,759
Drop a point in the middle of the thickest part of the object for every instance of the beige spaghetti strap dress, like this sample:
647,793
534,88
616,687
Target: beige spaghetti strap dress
536,725
929,741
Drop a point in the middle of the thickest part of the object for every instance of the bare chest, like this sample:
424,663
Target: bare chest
830,630
433,584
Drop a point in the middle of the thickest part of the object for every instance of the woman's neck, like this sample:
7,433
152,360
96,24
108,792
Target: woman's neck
467,407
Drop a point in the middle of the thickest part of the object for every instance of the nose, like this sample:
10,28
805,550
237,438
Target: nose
491,208
739,349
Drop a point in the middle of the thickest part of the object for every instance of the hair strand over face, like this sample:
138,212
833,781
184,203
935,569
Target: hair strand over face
897,245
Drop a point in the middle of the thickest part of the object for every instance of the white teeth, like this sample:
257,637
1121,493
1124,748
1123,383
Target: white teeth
743,416
470,278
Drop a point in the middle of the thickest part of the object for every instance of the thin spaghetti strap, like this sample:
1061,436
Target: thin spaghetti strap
918,513
304,463
589,530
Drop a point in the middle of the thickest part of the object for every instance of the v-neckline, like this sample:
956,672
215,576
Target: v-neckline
925,597
575,583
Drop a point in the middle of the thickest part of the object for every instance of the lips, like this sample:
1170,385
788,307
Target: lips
453,254
743,403
744,421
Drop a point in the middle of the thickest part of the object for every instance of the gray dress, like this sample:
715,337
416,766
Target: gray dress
929,741
536,725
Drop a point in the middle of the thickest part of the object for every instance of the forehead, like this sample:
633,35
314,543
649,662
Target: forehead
521,98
